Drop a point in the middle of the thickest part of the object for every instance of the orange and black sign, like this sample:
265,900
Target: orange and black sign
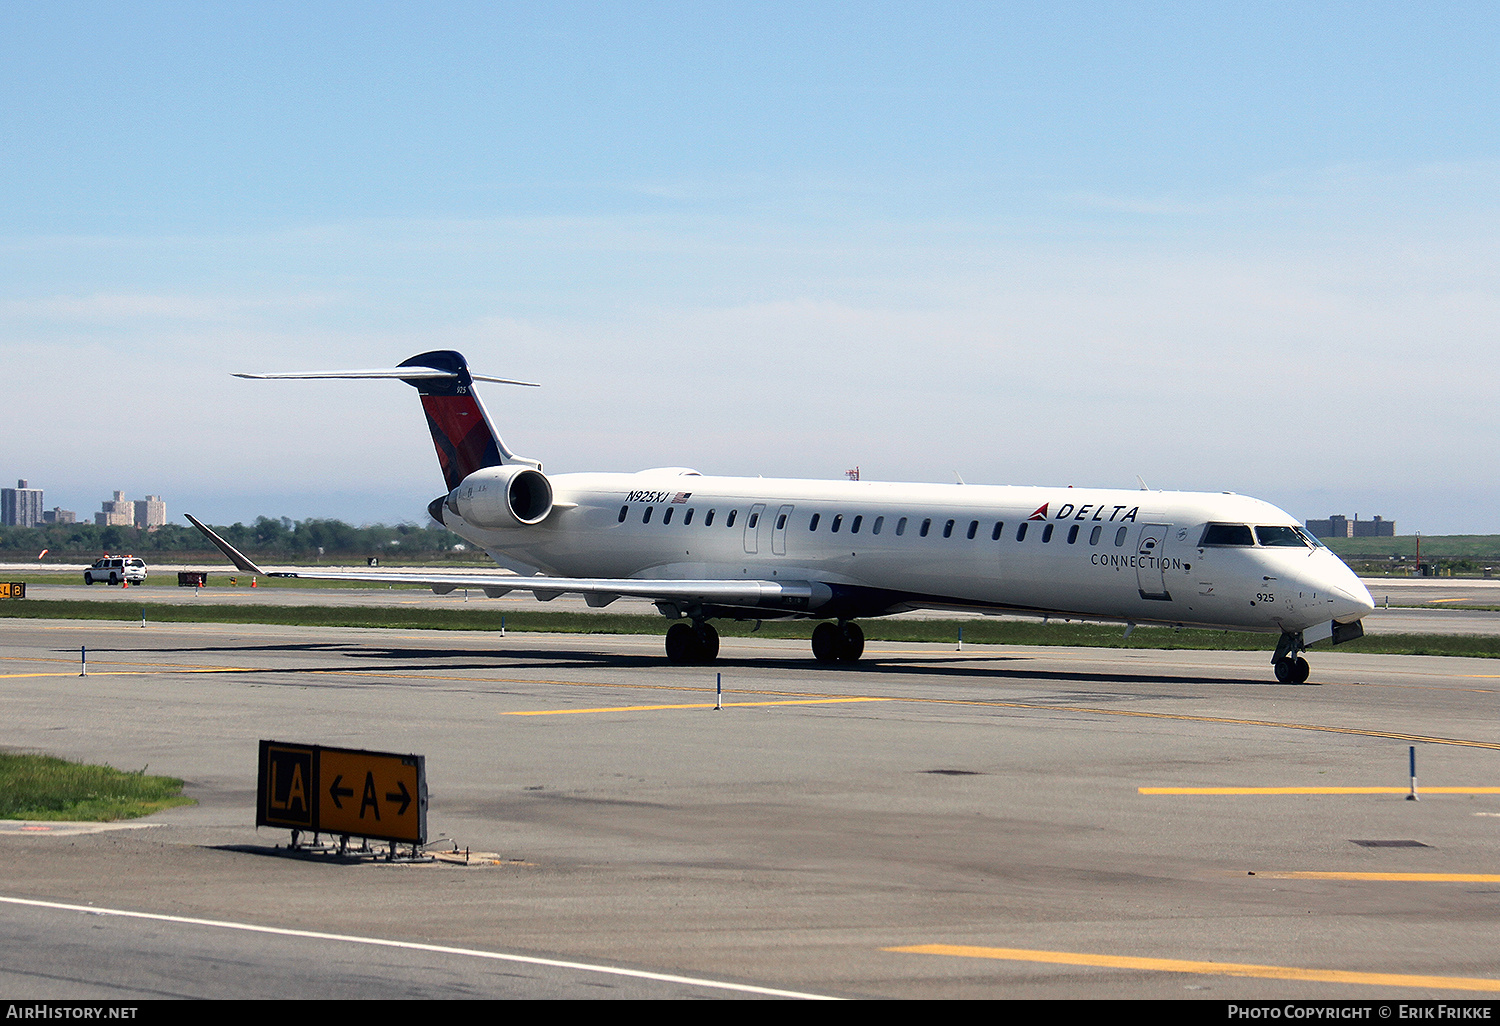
379,795
16,590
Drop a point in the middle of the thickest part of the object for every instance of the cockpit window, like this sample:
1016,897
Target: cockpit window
1227,534
1283,537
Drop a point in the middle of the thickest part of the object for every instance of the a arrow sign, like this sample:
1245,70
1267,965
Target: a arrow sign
377,795
403,796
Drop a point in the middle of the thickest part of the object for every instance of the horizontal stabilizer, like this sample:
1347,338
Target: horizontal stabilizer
399,373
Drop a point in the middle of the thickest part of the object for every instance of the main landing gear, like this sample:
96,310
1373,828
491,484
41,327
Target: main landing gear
697,643
841,642
694,644
1291,668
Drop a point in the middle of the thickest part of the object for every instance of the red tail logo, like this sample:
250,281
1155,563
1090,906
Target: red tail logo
1040,514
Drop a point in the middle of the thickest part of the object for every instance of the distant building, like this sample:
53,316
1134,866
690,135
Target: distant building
150,512
58,515
1337,526
116,512
20,506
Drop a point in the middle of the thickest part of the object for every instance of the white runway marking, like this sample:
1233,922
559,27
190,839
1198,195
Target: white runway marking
411,946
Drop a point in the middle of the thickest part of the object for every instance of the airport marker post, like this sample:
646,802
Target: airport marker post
1412,797
83,660
718,692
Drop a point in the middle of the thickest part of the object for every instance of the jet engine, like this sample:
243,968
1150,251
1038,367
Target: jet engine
513,495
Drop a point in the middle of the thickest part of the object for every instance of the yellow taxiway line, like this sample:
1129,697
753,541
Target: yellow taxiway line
1389,877
1313,790
1173,965
695,705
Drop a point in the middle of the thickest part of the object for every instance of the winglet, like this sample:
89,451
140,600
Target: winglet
238,558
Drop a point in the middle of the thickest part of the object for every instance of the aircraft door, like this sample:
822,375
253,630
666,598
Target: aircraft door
778,530
752,527
1150,566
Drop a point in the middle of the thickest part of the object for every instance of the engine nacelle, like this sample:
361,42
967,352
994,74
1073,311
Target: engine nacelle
510,496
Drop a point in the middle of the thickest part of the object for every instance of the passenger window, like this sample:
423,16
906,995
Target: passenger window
838,521
623,510
1120,537
948,529
1072,534
666,518
879,523
1094,534
708,519
995,534
730,521
781,522
1021,531
973,529
687,518
900,527
926,526
812,525
1047,533
854,527
754,519
646,517
1227,534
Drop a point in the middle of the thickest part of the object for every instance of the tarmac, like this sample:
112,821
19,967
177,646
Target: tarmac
990,823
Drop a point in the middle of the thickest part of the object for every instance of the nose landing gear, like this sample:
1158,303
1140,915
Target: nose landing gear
1292,671
1290,667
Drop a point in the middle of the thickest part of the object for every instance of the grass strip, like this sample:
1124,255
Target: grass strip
978,632
44,787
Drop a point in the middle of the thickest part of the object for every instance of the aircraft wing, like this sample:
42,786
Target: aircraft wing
598,591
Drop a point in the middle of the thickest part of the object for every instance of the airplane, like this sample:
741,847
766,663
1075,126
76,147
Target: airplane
704,548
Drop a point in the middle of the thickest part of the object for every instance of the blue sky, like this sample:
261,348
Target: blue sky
1249,249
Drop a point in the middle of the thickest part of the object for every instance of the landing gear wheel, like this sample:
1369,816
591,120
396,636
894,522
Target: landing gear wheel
692,644
827,641
682,644
854,642
838,642
1293,670
708,641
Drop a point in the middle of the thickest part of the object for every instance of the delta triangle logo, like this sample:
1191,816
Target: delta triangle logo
1040,514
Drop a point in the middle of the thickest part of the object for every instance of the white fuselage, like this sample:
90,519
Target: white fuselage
1134,556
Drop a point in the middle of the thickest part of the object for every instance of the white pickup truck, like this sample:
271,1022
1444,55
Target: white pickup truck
115,569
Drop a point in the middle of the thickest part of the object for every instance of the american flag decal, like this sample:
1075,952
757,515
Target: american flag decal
682,496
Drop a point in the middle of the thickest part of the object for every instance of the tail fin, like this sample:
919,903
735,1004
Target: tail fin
461,430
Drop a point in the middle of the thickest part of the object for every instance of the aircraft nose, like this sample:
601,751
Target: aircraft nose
1352,600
